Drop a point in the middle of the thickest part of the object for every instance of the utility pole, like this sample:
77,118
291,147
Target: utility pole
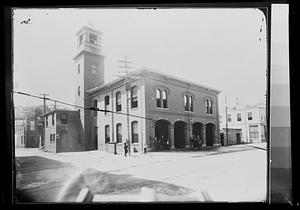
44,100
126,87
226,119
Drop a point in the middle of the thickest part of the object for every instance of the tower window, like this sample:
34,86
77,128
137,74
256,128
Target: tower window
80,39
118,101
229,118
249,115
93,38
134,99
95,106
78,91
239,117
106,102
94,68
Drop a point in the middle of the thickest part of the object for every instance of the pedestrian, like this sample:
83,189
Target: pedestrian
199,142
145,148
125,148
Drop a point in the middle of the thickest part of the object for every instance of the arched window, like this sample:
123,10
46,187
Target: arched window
118,101
191,104
106,103
134,98
210,107
164,99
158,97
107,134
119,132
186,103
134,132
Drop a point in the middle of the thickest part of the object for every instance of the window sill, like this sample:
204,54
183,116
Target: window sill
135,108
162,108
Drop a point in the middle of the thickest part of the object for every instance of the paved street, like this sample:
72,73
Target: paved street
235,173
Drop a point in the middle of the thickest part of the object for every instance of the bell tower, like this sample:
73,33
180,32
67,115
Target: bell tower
89,72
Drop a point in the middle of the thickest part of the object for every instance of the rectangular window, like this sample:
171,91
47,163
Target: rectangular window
239,117
50,137
95,106
78,91
249,115
134,132
253,130
46,119
78,68
80,39
229,118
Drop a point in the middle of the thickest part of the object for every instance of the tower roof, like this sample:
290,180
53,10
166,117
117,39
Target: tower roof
88,28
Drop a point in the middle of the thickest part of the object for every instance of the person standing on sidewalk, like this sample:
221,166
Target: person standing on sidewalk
145,148
126,147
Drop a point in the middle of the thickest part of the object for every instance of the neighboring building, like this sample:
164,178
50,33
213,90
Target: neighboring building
251,119
158,104
63,131
20,132
19,127
33,126
234,136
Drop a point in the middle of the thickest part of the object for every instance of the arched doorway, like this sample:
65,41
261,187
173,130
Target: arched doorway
162,128
197,129
179,134
210,134
162,132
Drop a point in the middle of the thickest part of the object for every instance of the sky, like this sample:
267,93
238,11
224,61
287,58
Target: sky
220,48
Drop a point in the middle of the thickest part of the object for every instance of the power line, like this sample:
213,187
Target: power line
91,108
